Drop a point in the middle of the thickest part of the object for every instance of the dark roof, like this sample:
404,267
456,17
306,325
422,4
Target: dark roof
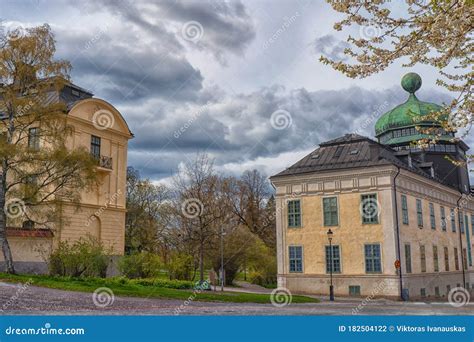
70,94
352,151
351,137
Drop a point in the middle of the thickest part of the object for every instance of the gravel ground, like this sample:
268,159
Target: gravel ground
32,300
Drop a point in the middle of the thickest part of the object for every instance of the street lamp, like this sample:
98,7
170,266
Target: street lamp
222,258
331,288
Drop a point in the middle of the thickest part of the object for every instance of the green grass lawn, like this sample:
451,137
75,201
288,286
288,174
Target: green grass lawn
128,288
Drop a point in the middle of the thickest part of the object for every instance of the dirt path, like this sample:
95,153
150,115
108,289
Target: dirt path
17,299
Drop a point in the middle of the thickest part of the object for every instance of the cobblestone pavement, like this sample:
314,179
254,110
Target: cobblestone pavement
43,301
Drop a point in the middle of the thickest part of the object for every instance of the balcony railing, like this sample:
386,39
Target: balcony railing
103,161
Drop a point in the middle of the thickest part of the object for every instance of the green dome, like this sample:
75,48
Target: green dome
411,112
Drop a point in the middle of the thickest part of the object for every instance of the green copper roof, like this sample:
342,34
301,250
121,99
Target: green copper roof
409,113
419,136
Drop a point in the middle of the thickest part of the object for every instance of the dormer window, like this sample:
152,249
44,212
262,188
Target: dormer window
338,151
95,147
354,152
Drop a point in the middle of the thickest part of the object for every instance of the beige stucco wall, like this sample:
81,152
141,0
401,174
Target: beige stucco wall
415,187
114,144
105,224
25,249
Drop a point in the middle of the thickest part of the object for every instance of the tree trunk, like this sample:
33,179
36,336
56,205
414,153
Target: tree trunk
7,253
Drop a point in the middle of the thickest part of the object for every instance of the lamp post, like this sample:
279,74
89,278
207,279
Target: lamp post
331,288
222,258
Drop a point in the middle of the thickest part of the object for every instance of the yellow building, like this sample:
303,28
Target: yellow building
401,217
98,126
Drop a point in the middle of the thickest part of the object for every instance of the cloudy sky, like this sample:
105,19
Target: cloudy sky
239,80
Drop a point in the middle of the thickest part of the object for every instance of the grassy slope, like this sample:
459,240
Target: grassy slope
135,290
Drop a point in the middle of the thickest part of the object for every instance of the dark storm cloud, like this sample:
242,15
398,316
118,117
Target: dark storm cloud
124,69
226,26
138,51
238,128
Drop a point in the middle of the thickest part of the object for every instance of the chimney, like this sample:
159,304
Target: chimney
374,152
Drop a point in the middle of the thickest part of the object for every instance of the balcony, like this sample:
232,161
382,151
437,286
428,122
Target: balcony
103,162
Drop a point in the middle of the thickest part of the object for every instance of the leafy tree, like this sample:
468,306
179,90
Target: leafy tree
251,202
38,169
200,206
437,33
148,210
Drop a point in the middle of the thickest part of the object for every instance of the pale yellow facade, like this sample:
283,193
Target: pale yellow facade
351,234
100,212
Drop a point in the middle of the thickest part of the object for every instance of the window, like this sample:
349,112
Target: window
464,258
432,216
28,224
448,288
330,211
336,259
354,152
437,291
338,151
419,213
372,259
461,223
296,258
33,138
453,220
408,258
472,224
443,219
369,208
446,259
31,187
435,258
423,292
423,258
354,290
95,146
468,238
294,213
405,210
456,259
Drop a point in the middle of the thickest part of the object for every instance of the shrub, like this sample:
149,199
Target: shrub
85,257
181,266
140,265
170,284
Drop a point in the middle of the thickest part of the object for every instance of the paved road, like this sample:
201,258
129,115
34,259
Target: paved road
15,299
